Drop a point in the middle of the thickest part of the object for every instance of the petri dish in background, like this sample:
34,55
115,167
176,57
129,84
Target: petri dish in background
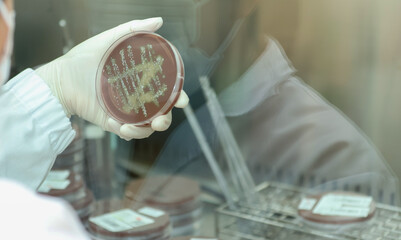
84,205
119,220
174,194
337,208
64,184
139,78
177,195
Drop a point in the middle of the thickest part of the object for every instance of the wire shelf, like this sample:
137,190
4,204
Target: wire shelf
279,219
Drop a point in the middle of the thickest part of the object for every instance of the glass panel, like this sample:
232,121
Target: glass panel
303,101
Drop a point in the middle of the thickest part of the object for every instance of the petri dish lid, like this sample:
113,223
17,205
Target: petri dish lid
165,192
337,208
118,219
139,78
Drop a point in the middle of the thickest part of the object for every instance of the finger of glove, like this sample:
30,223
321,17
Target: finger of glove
129,131
183,100
113,126
108,37
149,25
162,123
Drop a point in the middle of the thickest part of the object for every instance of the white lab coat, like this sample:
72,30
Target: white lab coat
27,215
33,129
287,133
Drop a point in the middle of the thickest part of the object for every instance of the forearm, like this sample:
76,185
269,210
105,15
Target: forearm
34,129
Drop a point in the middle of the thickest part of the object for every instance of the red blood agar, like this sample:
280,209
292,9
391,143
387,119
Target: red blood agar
139,78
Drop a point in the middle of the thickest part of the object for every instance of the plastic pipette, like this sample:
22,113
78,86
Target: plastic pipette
237,166
193,121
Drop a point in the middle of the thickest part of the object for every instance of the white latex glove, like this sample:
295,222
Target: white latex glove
27,215
72,77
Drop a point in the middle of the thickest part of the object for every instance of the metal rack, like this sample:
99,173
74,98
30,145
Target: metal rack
278,219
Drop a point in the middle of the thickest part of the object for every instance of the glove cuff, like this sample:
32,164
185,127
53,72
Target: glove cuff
50,75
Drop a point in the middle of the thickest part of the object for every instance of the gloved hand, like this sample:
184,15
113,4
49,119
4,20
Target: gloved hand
72,77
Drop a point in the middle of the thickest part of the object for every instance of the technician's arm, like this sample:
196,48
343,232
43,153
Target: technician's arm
34,106
33,129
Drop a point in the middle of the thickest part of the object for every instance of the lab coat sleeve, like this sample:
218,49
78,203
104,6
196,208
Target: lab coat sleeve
34,129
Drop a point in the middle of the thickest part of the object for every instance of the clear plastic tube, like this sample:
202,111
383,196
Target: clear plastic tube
245,186
200,136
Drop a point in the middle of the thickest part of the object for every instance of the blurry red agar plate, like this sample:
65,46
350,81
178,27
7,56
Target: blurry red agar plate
323,219
139,78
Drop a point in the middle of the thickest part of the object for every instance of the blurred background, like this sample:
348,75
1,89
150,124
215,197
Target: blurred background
349,52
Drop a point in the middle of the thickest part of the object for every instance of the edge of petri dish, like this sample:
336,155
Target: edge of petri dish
175,93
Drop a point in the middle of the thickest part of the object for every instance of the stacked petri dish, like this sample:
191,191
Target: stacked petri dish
139,78
125,220
176,195
65,180
72,158
70,187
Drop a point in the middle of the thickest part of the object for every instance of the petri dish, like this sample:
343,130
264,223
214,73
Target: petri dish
178,196
174,194
70,189
193,228
73,156
116,219
139,78
83,205
336,208
77,144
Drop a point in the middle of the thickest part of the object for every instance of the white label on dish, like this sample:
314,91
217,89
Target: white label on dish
43,189
121,220
58,175
48,185
346,206
307,204
151,212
